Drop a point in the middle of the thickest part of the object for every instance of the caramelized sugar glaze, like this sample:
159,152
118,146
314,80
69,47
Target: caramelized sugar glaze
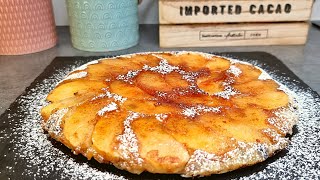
188,113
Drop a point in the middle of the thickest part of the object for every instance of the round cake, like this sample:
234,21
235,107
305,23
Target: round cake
187,113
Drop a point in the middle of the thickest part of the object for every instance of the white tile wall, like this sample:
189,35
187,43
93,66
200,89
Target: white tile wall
148,12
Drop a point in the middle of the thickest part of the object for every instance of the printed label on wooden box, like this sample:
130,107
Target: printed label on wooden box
232,35
205,11
245,34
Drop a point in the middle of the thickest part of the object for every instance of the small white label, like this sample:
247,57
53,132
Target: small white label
232,35
256,34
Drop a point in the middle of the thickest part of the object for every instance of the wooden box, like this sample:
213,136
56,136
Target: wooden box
222,11
202,23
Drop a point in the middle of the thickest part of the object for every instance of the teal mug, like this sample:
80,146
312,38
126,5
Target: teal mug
103,25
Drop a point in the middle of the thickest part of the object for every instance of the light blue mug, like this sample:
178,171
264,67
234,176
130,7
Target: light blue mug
103,25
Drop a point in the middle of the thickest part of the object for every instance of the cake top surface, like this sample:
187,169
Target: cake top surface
215,114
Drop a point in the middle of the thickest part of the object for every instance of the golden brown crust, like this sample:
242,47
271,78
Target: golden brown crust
187,113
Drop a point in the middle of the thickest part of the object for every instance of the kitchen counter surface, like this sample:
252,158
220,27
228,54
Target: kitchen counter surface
17,72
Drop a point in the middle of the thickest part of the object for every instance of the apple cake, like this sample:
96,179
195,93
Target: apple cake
187,113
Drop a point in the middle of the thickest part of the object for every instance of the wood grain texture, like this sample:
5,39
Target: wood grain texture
244,34
206,11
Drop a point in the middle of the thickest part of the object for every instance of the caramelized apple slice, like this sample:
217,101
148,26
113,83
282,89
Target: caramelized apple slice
257,87
268,100
146,59
70,89
128,90
198,99
243,128
272,100
103,71
188,61
218,64
152,82
251,116
149,107
248,73
195,135
121,63
65,103
104,135
78,127
161,152
210,86
175,80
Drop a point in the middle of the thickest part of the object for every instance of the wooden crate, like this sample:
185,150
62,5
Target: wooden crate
221,11
241,34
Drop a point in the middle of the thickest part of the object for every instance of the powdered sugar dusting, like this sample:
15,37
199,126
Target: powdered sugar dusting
202,162
53,125
128,77
204,55
285,119
280,142
229,91
77,75
163,68
110,107
190,112
83,67
193,111
234,70
161,117
264,75
114,96
128,146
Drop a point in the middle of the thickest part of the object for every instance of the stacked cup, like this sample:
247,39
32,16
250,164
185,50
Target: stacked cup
103,25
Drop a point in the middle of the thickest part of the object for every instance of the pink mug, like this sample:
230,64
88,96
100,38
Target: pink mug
26,26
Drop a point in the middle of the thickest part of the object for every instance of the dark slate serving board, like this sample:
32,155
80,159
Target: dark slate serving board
15,164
